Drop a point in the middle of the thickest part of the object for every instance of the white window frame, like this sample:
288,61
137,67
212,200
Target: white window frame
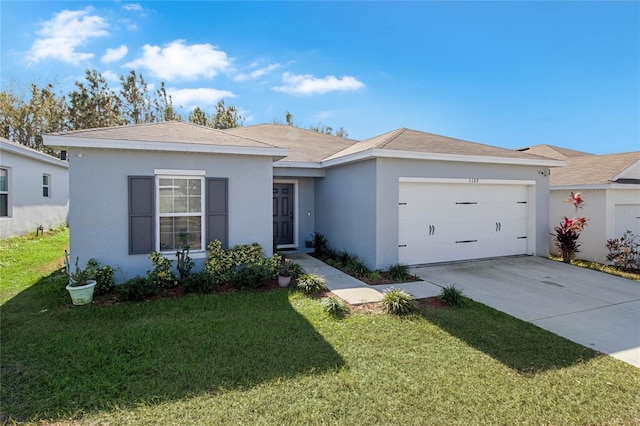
180,174
8,191
46,186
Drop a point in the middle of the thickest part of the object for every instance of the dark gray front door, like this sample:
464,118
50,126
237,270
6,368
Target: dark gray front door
283,213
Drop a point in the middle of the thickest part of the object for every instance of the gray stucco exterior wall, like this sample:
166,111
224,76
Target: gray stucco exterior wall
346,209
357,203
98,211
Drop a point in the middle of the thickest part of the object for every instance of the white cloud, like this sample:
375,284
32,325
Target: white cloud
64,33
110,76
113,55
179,61
257,73
202,97
307,84
132,6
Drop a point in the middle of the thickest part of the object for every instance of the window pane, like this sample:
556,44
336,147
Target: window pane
3,180
195,204
194,186
4,205
45,180
166,204
180,205
173,230
45,191
166,233
180,186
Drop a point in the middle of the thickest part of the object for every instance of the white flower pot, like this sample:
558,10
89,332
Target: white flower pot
283,281
81,295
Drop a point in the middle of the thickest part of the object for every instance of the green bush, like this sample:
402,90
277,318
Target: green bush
356,267
320,243
161,275
103,276
452,296
290,269
224,264
398,302
399,272
335,306
311,283
199,283
136,289
252,275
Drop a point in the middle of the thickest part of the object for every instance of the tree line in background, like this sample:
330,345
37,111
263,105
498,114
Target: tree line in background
93,104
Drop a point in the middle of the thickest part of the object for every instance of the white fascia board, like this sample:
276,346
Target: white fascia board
585,187
469,181
413,155
33,154
65,142
298,164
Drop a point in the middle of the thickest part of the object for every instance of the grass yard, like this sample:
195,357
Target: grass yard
275,357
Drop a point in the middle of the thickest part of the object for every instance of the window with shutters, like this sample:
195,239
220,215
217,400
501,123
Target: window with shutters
173,205
180,212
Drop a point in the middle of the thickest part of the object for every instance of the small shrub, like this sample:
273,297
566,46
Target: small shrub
398,302
624,252
252,275
398,272
224,264
356,267
320,243
452,296
290,269
199,283
103,276
136,289
342,257
311,284
567,233
185,263
161,275
375,275
335,306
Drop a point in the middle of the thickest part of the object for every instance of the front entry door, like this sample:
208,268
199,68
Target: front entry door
283,213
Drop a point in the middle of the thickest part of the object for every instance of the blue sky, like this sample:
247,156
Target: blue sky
509,74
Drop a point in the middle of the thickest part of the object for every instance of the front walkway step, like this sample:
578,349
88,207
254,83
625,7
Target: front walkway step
354,291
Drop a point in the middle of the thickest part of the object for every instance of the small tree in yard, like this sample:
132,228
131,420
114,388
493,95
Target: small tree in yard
624,252
567,233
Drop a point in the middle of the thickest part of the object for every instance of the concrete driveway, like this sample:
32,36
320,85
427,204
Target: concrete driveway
597,310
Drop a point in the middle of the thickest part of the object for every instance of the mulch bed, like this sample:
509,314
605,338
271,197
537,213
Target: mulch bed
384,278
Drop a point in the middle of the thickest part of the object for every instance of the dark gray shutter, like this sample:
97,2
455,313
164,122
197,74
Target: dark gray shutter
217,210
141,214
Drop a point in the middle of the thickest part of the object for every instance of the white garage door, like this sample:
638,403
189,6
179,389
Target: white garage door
446,221
627,219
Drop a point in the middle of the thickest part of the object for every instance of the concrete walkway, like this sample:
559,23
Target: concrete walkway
354,291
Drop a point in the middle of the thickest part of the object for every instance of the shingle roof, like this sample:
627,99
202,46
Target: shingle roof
423,142
304,145
593,169
555,152
168,131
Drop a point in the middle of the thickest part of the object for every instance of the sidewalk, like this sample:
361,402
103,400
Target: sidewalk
354,291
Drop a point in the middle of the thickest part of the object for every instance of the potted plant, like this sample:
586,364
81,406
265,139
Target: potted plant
286,271
81,284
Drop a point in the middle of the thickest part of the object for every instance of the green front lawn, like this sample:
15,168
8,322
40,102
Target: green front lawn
275,357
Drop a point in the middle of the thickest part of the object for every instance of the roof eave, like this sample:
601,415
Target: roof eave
413,155
64,142
33,154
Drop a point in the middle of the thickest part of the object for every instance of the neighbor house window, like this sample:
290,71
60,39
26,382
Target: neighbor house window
180,212
46,185
4,192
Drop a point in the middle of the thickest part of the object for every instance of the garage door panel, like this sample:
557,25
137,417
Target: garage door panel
456,221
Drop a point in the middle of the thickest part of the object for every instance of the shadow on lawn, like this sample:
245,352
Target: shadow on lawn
59,360
517,344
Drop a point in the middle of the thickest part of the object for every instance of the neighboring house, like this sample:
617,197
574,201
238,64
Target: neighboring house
404,196
34,190
610,185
